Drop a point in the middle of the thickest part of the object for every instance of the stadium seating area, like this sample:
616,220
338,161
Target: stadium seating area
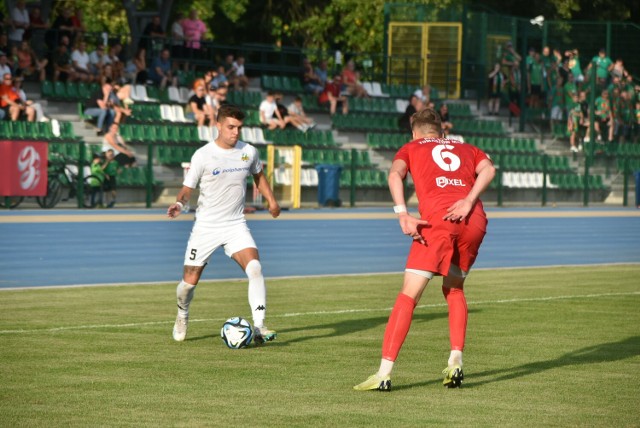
175,137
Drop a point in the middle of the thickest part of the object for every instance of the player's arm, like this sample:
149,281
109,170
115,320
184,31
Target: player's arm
485,172
183,198
265,190
408,223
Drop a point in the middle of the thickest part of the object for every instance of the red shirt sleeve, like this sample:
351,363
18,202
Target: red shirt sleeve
403,154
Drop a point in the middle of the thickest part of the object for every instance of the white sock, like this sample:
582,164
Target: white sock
385,367
184,293
455,358
257,292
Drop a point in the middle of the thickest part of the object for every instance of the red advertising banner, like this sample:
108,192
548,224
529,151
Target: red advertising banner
23,168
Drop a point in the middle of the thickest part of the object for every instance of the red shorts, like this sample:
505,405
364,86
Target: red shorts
448,243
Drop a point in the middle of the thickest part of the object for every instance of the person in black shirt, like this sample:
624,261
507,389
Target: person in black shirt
201,110
152,31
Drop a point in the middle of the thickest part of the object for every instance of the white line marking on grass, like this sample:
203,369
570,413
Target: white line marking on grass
336,312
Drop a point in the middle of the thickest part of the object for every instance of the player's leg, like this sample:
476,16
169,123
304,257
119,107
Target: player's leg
201,245
453,291
395,333
242,249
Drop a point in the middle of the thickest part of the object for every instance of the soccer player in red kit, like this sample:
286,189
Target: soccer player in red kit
449,177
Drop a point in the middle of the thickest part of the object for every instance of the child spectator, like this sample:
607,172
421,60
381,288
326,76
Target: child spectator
269,114
604,115
296,111
200,110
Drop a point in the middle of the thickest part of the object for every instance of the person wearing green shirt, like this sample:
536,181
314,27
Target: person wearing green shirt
534,80
574,65
603,115
570,89
556,100
603,66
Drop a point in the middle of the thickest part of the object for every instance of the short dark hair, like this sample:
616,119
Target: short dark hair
230,110
427,118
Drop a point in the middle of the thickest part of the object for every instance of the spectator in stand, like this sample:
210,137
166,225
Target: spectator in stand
309,79
124,155
100,107
152,35
445,119
77,22
269,114
29,64
284,114
19,22
510,58
110,174
534,79
556,99
497,83
297,113
193,29
217,97
350,80
63,26
161,71
415,105
229,71
139,69
585,125
5,68
625,118
36,21
120,99
604,65
603,115
618,69
219,78
636,123
570,89
332,94
515,82
424,93
177,38
322,73
574,120
37,107
200,110
81,63
4,43
115,61
62,68
241,79
96,180
97,60
11,104
574,65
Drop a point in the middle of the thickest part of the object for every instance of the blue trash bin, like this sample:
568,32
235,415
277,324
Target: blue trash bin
637,177
329,185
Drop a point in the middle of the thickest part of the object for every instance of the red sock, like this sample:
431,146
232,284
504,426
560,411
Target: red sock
457,316
398,326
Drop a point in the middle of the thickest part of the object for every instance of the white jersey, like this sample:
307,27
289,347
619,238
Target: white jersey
222,174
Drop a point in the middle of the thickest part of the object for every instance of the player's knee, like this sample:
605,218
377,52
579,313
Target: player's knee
253,269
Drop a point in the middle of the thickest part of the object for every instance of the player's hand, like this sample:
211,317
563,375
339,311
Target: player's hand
411,226
458,211
174,210
274,209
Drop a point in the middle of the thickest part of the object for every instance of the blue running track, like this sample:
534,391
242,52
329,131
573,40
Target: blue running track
46,248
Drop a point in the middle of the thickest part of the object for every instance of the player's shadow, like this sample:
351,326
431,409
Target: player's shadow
341,328
603,353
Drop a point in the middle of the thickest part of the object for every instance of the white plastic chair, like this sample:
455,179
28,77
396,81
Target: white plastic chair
401,105
258,136
178,114
377,90
174,94
166,112
246,134
185,94
368,87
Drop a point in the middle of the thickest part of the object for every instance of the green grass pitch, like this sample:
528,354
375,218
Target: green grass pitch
545,347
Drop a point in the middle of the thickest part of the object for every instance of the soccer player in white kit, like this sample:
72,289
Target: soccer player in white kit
222,167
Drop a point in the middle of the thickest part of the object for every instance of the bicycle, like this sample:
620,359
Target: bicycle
63,173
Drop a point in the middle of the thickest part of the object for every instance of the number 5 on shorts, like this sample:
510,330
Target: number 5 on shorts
193,254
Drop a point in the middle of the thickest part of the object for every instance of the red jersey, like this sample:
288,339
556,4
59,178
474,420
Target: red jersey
443,171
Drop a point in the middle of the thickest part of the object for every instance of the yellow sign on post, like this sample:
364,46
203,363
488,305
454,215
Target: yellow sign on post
284,164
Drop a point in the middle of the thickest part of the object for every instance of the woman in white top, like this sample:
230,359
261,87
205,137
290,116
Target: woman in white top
124,154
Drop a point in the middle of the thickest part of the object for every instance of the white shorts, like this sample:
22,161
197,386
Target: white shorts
204,240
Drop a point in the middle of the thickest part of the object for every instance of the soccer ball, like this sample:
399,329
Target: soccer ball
236,333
